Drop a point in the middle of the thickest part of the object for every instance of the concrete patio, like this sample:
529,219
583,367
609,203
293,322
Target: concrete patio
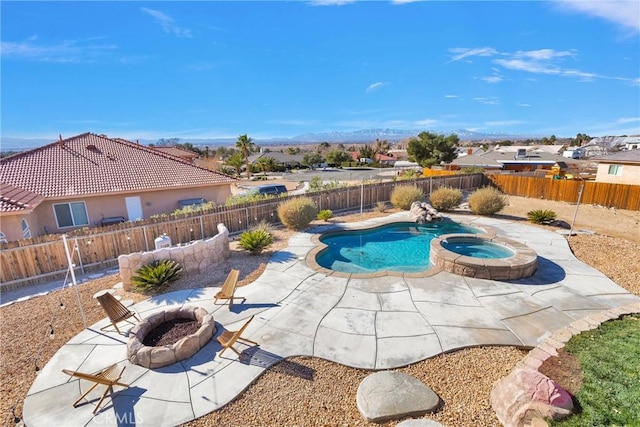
371,323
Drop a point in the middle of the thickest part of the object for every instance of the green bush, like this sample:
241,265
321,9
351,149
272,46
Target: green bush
255,240
249,197
325,215
472,169
408,174
297,213
403,196
541,216
155,276
486,201
446,198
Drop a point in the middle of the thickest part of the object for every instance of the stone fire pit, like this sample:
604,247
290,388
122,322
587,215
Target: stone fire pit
156,357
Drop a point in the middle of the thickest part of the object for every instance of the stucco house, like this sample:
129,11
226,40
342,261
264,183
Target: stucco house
91,180
619,168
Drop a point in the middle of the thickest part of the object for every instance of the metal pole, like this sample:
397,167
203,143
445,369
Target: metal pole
73,279
576,212
361,195
77,249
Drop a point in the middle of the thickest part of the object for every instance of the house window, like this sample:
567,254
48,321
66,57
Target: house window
615,170
26,233
71,214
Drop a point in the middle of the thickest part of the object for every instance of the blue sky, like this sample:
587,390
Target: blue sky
145,70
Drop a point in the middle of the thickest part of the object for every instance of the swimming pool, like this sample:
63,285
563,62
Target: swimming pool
401,247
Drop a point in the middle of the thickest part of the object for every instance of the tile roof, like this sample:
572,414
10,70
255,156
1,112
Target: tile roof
14,199
91,164
177,152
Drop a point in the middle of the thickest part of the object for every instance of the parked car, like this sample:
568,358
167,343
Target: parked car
271,189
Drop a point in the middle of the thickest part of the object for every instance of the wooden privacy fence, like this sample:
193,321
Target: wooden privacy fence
621,196
42,259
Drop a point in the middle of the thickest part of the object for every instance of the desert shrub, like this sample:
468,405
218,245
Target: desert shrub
408,174
248,197
155,276
541,216
381,207
297,213
255,240
486,201
445,198
263,226
325,215
403,196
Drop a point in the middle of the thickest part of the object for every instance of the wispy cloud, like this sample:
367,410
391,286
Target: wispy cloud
496,77
425,122
167,23
451,96
538,61
66,51
503,123
375,86
292,122
404,1
330,2
522,104
463,52
625,13
492,100
625,120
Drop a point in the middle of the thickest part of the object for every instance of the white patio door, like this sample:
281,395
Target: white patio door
134,207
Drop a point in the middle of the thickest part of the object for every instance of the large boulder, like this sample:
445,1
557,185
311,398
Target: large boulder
391,395
422,212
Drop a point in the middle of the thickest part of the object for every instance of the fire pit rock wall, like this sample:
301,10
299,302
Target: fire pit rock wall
156,357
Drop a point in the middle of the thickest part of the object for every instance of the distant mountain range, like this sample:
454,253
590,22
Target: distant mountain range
360,136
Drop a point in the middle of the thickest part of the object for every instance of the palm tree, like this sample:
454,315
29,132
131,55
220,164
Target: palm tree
245,145
266,164
235,161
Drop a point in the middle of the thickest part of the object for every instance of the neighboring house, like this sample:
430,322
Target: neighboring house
186,155
290,161
619,168
603,145
90,180
380,158
473,160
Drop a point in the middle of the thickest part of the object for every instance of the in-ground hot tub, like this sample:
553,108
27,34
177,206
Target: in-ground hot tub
156,357
483,256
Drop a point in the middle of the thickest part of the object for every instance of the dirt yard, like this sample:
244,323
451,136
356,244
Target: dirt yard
606,221
283,396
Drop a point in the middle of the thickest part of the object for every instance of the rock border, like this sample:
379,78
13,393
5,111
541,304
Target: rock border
517,403
157,357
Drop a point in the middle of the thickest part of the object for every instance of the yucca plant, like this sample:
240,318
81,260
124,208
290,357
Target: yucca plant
157,275
325,215
541,216
255,240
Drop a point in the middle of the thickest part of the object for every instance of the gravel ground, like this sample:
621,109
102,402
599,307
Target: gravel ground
300,391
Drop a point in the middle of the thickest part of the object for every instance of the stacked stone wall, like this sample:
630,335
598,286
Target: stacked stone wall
194,257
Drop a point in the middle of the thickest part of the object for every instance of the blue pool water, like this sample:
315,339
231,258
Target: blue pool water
478,249
401,246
